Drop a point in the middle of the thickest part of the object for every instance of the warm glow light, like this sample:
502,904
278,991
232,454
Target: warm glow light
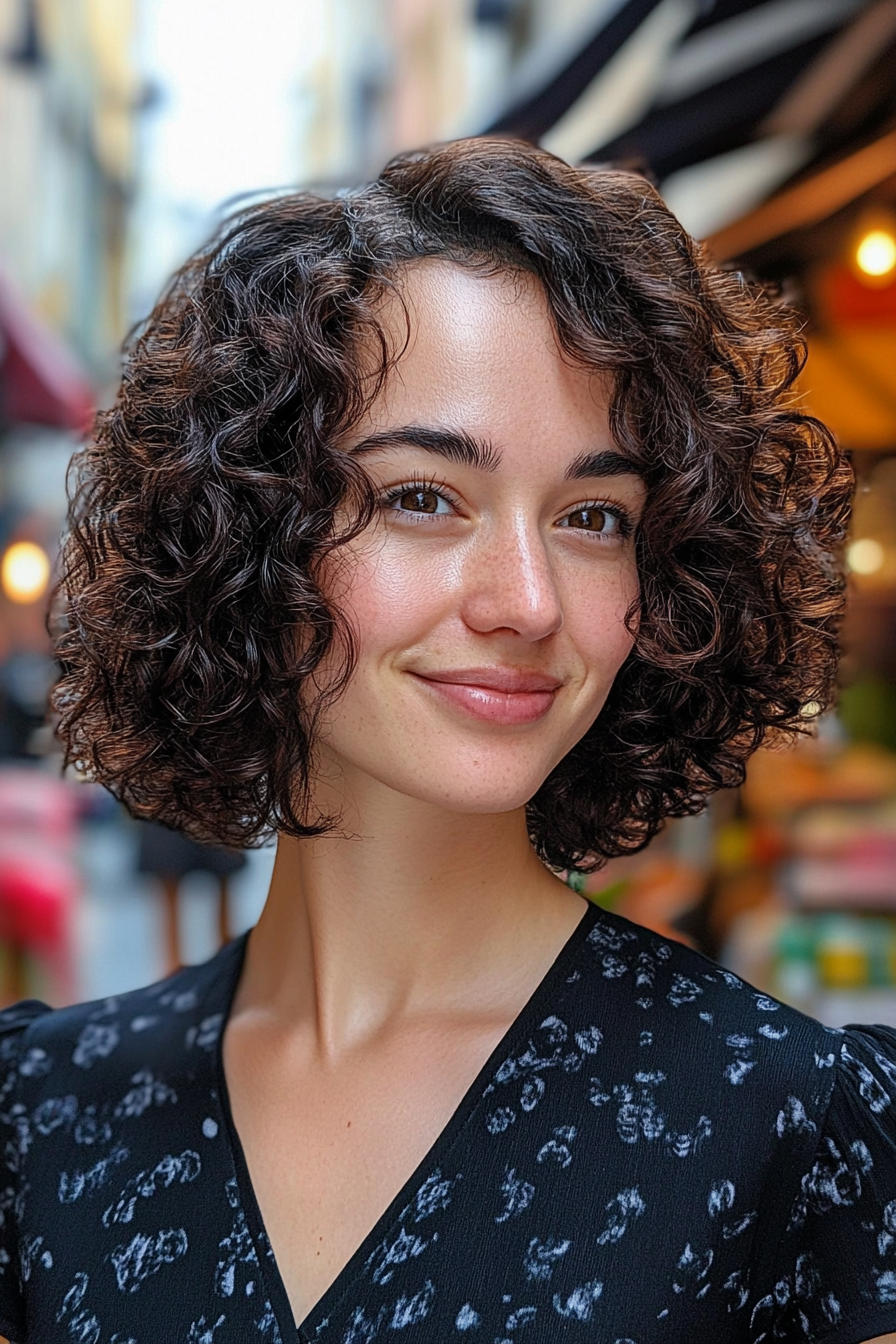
25,572
876,252
865,556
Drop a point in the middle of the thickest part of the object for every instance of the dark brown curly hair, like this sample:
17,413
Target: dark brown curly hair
192,619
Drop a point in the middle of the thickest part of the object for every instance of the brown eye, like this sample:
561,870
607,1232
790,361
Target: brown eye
419,501
600,521
590,520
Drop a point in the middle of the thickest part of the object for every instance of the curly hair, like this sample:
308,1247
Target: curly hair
192,619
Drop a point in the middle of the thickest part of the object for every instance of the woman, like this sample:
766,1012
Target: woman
459,530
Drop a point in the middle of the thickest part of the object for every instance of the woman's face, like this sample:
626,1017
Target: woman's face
488,596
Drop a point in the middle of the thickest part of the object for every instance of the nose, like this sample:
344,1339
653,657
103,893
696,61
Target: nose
509,584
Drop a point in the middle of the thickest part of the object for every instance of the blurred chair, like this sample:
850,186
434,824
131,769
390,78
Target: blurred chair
171,856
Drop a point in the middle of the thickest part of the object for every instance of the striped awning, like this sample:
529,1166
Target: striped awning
723,103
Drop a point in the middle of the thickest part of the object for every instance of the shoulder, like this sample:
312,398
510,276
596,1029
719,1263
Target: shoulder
666,977
14,1022
108,1103
676,1004
90,1047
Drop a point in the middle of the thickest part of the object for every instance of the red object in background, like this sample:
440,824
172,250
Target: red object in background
38,877
40,381
846,300
37,892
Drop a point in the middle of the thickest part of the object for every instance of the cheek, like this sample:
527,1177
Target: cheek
598,626
387,602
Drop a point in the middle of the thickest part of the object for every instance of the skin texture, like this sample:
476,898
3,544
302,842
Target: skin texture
392,956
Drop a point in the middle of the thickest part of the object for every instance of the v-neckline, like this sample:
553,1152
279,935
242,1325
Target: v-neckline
309,1328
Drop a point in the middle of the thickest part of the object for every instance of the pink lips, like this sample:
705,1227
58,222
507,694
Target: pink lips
506,695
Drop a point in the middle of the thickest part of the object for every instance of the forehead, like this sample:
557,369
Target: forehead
482,353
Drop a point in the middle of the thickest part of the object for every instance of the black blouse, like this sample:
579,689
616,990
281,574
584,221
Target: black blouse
654,1154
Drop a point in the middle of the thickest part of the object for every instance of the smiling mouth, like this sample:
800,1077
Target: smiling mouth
500,695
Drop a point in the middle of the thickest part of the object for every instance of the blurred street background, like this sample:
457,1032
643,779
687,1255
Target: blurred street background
127,127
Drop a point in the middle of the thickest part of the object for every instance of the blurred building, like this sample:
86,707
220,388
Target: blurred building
68,102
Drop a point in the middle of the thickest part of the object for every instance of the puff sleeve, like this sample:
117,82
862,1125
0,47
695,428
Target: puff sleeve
13,1143
831,1279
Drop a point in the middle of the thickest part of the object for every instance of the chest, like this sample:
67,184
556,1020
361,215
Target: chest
545,1199
328,1149
540,1211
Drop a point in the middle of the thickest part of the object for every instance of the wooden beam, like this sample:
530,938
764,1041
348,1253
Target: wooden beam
808,202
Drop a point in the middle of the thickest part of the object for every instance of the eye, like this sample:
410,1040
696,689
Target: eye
598,519
422,499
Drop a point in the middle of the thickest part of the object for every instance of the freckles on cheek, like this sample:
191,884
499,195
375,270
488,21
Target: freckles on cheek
603,637
389,599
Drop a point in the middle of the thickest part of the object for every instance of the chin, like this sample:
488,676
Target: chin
461,789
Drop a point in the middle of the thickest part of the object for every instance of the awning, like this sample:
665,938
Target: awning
721,103
40,380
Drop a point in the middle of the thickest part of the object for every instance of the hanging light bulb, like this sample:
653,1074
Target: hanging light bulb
25,571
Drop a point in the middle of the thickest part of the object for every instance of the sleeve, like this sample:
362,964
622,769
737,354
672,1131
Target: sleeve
13,1136
832,1279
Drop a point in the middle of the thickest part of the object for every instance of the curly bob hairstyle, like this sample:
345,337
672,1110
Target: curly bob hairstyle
193,622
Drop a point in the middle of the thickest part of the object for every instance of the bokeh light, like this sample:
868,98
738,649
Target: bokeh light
876,253
865,556
25,571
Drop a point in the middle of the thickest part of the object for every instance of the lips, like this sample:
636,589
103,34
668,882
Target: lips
503,695
510,680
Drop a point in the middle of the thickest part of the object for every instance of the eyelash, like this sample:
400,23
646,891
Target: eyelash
428,485
444,491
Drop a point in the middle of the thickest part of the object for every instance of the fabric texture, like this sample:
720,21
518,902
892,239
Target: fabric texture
655,1152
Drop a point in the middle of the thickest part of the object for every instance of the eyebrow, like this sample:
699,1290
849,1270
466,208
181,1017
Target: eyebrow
606,463
459,446
455,444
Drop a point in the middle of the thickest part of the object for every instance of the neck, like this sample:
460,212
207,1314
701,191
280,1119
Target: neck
421,911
